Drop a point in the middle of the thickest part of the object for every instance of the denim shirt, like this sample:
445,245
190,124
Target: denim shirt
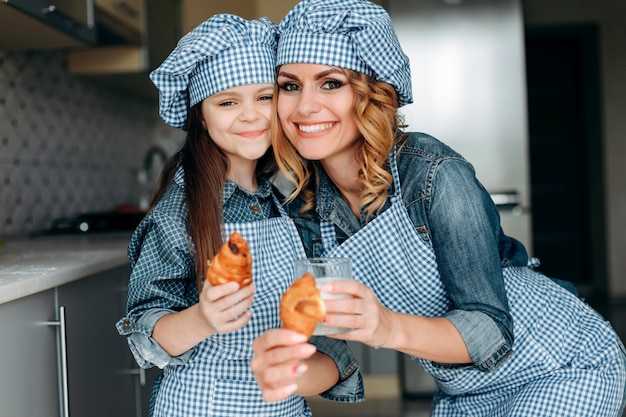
454,214
162,279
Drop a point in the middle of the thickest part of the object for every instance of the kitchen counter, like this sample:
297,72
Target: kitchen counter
32,265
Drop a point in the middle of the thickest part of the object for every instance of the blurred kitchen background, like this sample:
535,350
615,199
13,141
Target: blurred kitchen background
532,92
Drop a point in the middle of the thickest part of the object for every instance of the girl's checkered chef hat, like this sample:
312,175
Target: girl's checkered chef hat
352,34
223,52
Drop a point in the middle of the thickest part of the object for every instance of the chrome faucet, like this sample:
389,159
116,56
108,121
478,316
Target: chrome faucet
147,177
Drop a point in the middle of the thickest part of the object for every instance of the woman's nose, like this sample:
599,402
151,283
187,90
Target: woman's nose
308,103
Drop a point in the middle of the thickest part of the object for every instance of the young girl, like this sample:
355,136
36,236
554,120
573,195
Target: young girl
435,276
217,85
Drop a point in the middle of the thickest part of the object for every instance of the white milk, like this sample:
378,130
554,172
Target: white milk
321,328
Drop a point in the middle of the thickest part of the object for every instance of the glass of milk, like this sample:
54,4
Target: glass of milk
325,270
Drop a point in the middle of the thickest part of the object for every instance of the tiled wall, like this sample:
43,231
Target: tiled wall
67,144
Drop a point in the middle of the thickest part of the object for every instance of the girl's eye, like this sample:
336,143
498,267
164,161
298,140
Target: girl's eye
289,86
227,103
268,97
332,85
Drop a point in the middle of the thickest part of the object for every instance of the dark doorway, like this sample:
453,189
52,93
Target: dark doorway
565,138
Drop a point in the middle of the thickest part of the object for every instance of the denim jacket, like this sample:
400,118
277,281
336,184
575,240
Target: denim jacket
162,280
453,213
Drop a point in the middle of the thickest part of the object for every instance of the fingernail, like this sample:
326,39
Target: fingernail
325,319
298,369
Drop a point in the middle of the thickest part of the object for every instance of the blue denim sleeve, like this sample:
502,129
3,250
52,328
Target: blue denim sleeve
465,228
350,388
161,282
145,349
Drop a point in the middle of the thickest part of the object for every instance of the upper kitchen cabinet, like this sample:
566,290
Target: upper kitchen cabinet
142,34
122,18
195,12
160,24
39,24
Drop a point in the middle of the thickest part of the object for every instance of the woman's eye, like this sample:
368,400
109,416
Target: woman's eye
268,97
332,85
227,103
289,87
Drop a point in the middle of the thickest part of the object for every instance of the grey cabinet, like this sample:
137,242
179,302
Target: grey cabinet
102,377
99,384
29,383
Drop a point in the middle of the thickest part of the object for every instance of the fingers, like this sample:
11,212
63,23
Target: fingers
277,362
350,287
230,289
227,295
225,307
277,337
362,313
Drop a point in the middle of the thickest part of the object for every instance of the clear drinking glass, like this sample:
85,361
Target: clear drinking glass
325,270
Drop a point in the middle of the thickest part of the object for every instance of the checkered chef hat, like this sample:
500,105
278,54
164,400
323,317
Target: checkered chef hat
223,52
352,34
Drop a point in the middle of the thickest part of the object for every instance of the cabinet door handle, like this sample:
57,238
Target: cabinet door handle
62,355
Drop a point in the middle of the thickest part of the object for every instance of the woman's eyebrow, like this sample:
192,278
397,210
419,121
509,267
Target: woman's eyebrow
317,76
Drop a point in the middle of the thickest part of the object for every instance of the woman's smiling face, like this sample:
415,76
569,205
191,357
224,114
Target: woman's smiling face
315,108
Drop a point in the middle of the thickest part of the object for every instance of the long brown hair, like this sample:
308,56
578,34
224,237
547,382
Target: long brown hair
205,166
375,114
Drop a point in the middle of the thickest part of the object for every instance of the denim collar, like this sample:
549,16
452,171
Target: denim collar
230,187
264,191
326,192
332,207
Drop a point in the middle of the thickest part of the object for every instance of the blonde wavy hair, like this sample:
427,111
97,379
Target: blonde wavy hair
375,113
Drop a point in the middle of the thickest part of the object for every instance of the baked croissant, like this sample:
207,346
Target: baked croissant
301,306
233,262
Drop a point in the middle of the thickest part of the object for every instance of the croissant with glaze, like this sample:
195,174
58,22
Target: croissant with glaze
301,306
233,262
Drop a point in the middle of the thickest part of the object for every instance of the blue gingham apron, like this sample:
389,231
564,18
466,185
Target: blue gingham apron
217,380
567,360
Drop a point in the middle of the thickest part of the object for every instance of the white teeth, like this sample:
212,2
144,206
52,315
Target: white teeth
314,128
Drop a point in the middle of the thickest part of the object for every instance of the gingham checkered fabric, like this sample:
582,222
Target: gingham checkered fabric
352,34
217,380
567,360
223,52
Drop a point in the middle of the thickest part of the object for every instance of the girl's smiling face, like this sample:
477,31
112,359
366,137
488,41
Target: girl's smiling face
238,121
315,108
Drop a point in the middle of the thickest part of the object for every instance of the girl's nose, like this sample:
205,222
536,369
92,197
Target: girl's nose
249,112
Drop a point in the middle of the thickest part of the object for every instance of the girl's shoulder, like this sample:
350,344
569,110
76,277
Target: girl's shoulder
167,217
166,224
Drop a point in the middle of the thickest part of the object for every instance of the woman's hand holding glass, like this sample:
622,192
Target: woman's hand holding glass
370,321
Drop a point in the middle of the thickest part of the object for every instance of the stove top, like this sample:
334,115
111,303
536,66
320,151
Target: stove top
96,222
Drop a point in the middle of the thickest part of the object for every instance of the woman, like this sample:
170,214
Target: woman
218,85
436,278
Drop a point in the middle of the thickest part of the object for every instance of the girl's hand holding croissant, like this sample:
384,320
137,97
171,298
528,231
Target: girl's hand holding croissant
224,308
